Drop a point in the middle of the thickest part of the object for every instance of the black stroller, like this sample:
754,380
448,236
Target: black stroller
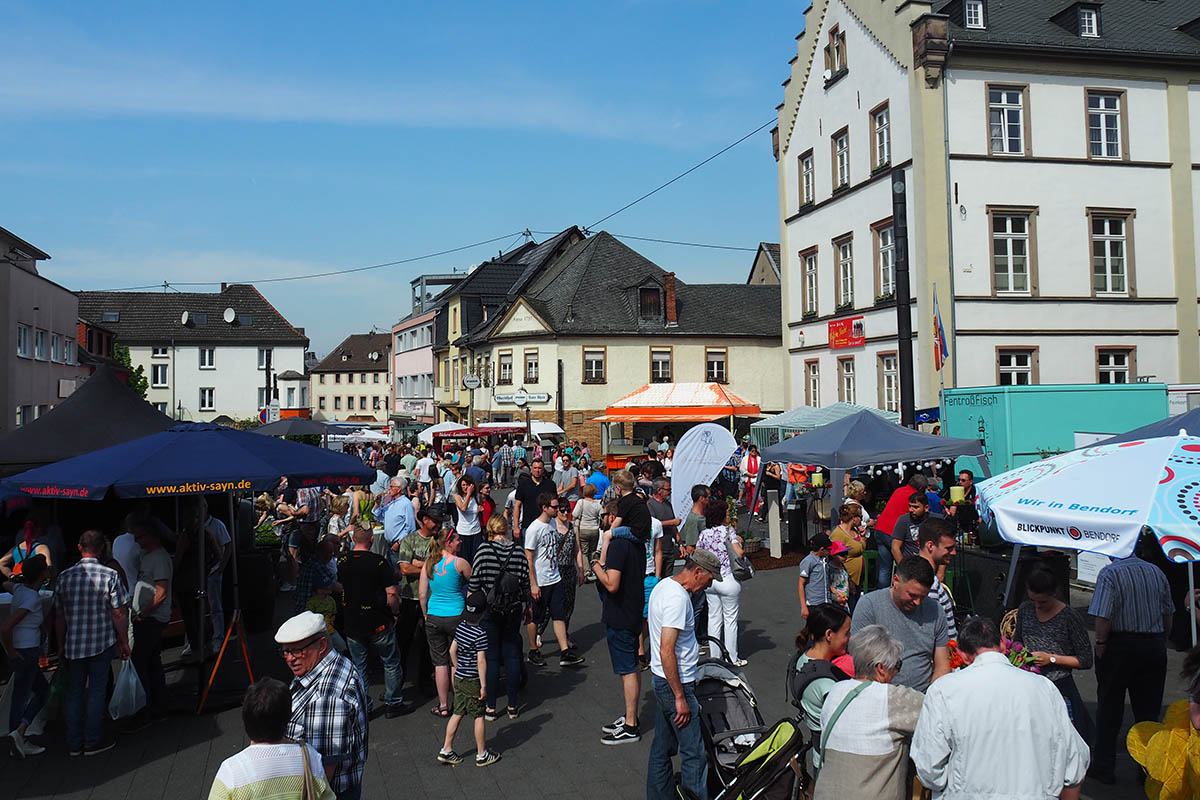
729,717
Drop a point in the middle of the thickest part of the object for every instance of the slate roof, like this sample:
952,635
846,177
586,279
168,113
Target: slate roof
1127,27
354,354
592,289
153,318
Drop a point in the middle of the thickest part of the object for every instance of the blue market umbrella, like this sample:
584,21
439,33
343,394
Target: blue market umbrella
192,458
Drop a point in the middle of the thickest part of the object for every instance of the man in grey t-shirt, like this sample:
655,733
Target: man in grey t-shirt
567,481
905,610
660,509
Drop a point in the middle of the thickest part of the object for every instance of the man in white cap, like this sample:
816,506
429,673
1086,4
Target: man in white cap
329,702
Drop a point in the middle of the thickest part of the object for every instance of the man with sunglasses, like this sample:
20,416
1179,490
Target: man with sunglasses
542,541
329,702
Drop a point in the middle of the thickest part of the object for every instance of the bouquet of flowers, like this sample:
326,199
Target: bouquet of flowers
956,659
1018,656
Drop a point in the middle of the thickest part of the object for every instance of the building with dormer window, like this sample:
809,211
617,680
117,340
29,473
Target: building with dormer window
353,383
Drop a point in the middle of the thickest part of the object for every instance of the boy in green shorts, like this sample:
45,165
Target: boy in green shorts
470,671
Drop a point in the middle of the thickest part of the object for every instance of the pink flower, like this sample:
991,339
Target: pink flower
1017,647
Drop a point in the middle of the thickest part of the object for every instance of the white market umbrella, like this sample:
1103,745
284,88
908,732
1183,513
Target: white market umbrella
366,435
426,435
539,429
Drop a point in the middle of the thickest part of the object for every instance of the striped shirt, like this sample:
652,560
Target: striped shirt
269,772
329,711
87,594
1133,595
941,595
490,558
471,641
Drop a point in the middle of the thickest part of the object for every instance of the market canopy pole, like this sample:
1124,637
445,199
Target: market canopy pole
908,403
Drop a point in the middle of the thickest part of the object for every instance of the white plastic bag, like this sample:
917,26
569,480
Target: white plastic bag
128,695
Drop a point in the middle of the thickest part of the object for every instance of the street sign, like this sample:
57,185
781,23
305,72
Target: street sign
521,397
273,410
262,415
471,382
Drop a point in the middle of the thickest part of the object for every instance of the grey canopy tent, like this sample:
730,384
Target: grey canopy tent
102,412
1188,421
863,439
292,426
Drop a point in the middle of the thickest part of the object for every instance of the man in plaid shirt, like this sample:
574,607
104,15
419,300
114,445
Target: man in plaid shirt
329,702
507,462
90,618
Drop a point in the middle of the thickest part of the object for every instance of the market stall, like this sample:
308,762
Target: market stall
773,430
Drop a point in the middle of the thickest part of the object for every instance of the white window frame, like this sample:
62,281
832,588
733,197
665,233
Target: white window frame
887,260
716,365
159,352
658,357
1010,367
39,344
808,179
1004,115
532,366
1089,23
593,356
1104,125
158,371
1114,363
810,284
24,341
813,376
841,147
262,356
211,398
847,380
504,362
211,361
56,348
161,408
1110,266
1011,238
881,122
69,353
973,14
889,381
845,273
337,402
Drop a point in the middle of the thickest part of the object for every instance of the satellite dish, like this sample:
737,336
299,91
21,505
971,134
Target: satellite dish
183,320
374,356
230,316
345,357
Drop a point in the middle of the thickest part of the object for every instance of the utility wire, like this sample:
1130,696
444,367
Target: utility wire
688,171
686,244
327,274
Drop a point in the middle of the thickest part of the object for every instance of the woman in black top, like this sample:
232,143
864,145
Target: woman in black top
1058,638
498,554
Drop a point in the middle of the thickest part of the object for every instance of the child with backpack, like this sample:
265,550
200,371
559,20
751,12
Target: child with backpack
501,572
467,651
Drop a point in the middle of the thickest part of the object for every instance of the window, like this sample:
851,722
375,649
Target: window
1111,253
349,403
337,377
110,316
845,272
810,282
1012,240
812,384
505,361
835,51
881,142
56,348
807,184
208,399
158,375
69,351
362,378
1106,125
375,375
375,403
889,382
1015,367
1089,22
846,385
321,378
264,354
885,260
161,408
263,400
973,13
337,403
39,345
24,415
840,145
593,364
531,366
1007,120
291,397
24,335
1114,365
649,303
349,377
207,358
660,365
715,359
362,403
321,403
158,352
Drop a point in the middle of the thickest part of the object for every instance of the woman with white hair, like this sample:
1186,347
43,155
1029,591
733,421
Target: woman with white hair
867,725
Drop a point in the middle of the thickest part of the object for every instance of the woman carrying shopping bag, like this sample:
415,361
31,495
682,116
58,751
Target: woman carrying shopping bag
22,635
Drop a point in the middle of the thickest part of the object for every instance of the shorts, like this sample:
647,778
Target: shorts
622,649
466,697
438,632
552,602
648,584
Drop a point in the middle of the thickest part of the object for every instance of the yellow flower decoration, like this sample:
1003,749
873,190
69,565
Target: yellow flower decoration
1170,753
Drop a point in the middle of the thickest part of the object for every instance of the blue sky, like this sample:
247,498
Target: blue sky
145,142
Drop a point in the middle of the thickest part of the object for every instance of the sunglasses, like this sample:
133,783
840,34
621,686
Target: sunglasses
553,507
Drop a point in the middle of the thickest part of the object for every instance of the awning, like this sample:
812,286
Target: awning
678,402
664,416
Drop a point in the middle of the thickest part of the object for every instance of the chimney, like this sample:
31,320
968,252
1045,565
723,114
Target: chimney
672,316
224,286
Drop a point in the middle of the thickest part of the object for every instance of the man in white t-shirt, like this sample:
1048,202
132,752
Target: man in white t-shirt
216,577
674,656
424,479
545,582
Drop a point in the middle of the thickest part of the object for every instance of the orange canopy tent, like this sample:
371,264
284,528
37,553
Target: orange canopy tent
678,402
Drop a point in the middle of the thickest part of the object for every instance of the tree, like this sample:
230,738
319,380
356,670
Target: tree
137,375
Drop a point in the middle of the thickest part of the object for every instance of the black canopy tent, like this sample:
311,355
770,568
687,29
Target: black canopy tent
1188,421
100,413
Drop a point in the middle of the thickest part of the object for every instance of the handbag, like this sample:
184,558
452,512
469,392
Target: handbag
308,789
741,567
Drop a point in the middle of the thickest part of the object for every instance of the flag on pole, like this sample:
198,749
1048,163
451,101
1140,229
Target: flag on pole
941,349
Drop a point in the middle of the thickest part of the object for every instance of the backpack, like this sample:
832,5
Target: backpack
506,598
799,679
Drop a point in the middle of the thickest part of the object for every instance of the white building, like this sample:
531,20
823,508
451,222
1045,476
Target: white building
412,366
353,382
205,354
1047,153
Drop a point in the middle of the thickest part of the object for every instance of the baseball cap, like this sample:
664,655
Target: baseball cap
818,541
707,561
474,607
838,547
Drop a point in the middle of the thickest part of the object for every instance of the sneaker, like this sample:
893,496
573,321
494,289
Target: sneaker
615,725
24,746
287,587
74,751
487,759
623,736
102,746
452,758
741,662
491,714
16,744
570,659
513,712
536,658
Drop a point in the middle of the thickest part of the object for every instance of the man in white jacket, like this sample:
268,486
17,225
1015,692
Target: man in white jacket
994,730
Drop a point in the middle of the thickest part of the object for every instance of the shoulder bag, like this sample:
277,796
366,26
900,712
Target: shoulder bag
742,569
855,692
308,789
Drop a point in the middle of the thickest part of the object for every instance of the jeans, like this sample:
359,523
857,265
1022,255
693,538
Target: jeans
669,740
700,613
215,580
88,675
410,630
467,545
29,688
384,644
1137,664
504,642
724,602
883,546
147,660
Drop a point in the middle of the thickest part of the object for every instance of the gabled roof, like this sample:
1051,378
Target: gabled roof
154,318
20,244
355,352
508,273
771,251
1127,27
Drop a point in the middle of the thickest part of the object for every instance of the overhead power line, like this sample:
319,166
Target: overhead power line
686,172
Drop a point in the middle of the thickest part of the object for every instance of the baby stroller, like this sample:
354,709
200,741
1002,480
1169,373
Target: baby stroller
730,721
769,770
